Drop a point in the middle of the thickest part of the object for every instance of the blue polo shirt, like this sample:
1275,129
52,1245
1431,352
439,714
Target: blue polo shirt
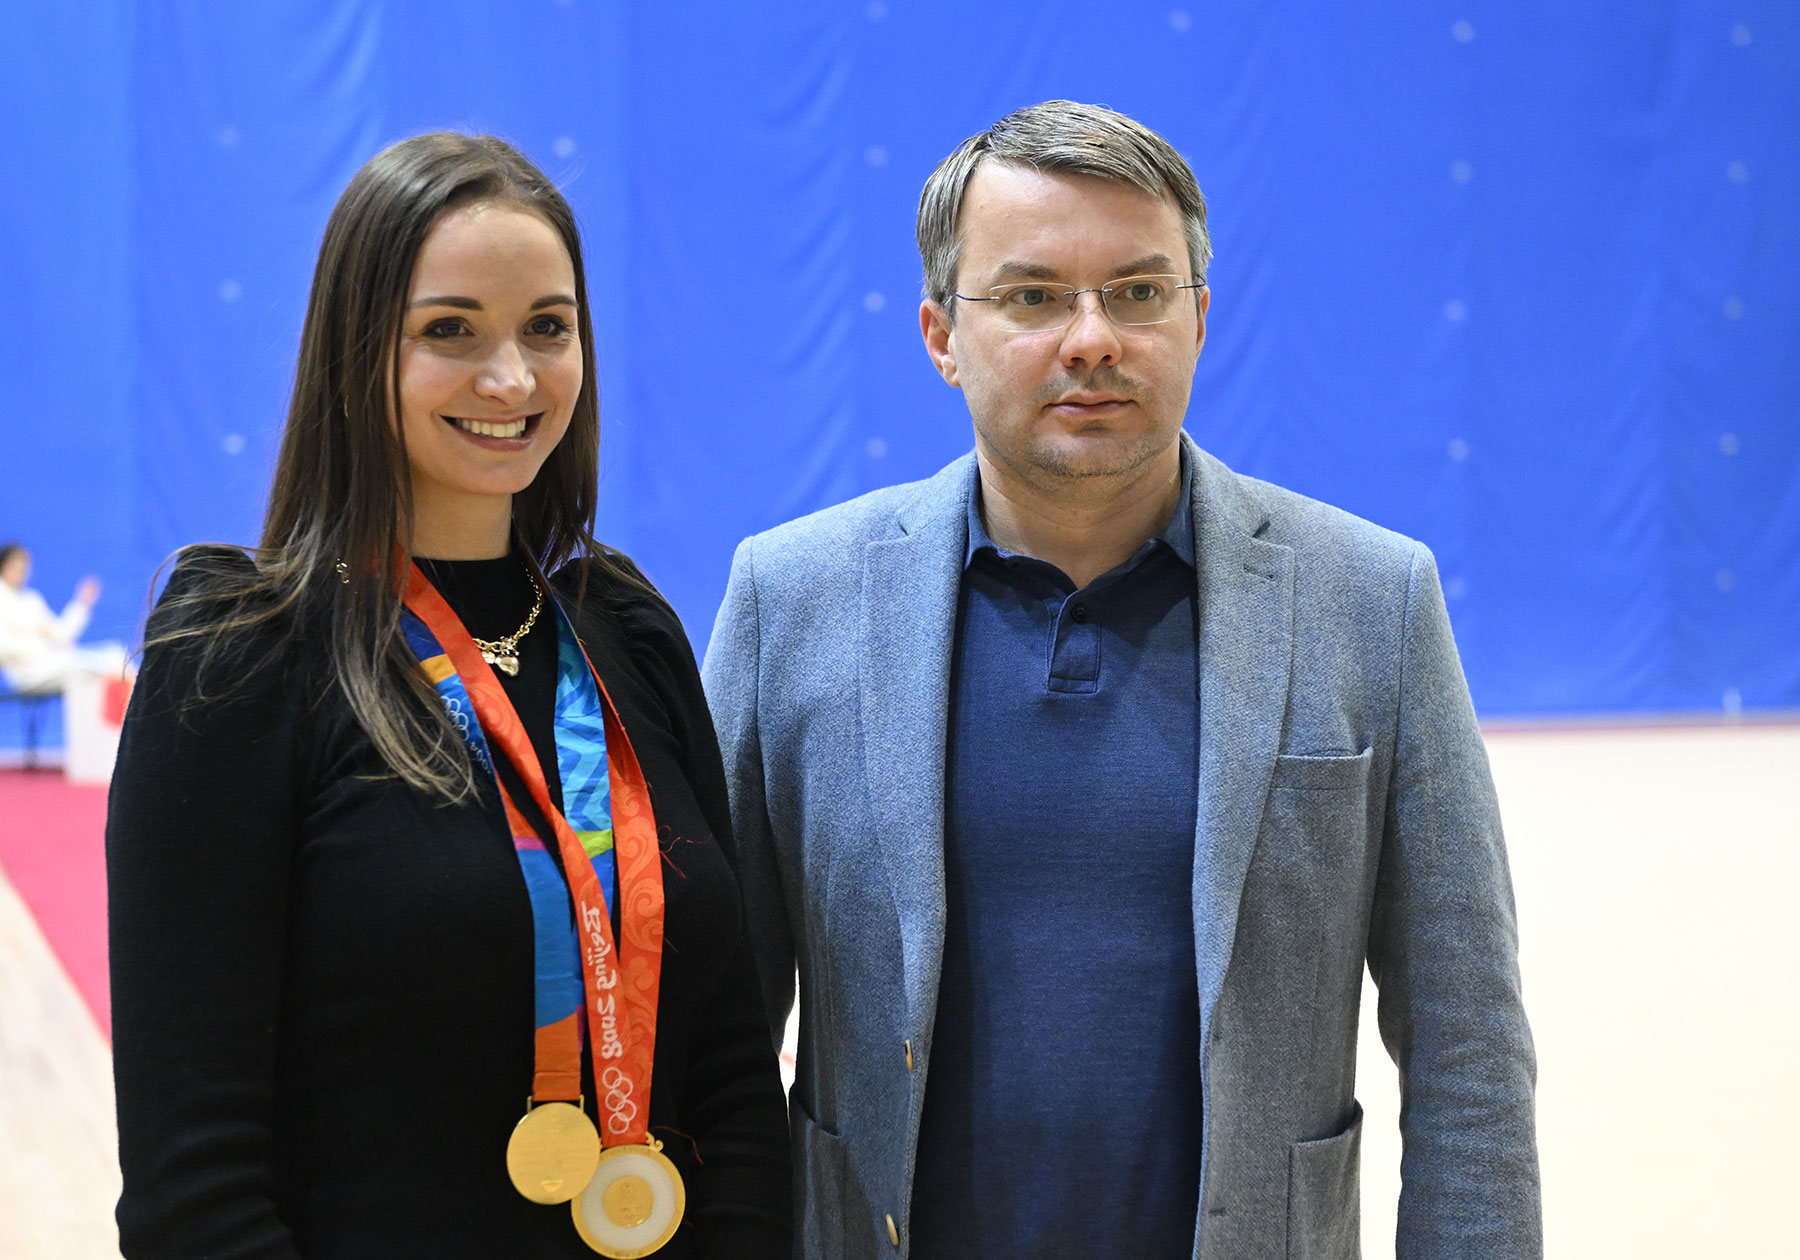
1062,1101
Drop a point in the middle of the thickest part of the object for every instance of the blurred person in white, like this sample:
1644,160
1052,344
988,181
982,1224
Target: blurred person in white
38,649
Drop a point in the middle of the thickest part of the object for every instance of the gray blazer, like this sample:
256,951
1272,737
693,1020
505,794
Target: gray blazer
1346,815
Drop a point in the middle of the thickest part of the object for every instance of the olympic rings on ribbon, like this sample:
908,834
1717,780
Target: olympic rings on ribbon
620,1108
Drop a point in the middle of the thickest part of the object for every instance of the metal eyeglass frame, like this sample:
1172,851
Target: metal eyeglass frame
1069,295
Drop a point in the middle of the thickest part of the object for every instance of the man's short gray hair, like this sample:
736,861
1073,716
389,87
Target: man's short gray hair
1059,138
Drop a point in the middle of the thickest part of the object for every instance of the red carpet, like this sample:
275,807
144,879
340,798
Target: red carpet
52,848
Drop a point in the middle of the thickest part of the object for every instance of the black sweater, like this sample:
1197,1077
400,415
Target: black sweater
322,979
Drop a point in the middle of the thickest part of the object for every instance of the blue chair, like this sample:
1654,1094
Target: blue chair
31,709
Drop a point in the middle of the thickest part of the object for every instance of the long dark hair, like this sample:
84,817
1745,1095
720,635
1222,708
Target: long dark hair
334,540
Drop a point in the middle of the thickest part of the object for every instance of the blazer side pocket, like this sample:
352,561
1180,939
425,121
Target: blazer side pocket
1325,1195
1325,773
823,1186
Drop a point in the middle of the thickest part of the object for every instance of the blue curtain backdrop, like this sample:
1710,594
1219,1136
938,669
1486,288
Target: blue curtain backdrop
1517,279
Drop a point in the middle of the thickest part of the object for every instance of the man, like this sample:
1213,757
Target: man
38,652
1082,779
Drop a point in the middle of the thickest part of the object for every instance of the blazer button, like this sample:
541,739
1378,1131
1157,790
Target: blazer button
893,1232
909,1058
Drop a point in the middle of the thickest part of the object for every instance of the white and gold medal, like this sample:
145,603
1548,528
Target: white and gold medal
633,1205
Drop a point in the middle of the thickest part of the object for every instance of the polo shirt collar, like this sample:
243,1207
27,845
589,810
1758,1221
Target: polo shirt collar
1177,532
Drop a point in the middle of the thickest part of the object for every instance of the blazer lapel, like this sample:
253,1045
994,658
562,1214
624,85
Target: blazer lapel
1246,592
909,598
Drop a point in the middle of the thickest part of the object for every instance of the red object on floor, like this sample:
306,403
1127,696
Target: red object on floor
53,850
113,700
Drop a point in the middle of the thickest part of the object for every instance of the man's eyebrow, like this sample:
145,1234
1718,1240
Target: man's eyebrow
1148,265
1024,271
474,304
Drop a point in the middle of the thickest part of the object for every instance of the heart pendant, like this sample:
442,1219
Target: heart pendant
508,665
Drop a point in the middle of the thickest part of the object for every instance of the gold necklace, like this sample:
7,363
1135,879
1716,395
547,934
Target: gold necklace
504,653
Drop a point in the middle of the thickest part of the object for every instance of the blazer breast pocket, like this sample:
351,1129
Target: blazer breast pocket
1299,929
1323,772
1318,816
1325,1195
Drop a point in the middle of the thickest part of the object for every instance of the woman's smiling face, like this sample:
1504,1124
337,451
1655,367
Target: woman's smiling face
490,367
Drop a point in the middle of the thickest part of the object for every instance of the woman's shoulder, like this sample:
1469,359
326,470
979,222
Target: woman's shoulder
209,570
219,616
618,610
611,587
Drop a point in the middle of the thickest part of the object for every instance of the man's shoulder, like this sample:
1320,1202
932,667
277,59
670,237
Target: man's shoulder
23,599
1304,522
1310,527
836,535
861,519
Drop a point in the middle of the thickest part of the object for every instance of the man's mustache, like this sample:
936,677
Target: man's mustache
1105,380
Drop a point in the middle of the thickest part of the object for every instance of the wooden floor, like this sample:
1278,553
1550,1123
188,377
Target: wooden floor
59,1165
1656,871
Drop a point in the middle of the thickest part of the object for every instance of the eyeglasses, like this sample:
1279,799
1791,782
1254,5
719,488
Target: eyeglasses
1130,302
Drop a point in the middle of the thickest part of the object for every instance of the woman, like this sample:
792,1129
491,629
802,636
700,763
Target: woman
377,774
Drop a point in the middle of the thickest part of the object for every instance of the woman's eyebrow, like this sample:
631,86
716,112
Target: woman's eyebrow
460,303
474,304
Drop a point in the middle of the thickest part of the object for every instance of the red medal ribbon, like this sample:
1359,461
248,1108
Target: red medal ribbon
621,979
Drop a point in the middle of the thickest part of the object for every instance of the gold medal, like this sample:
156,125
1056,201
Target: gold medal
553,1152
633,1204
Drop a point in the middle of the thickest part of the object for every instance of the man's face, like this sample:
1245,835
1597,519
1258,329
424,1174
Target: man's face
17,569
1088,398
